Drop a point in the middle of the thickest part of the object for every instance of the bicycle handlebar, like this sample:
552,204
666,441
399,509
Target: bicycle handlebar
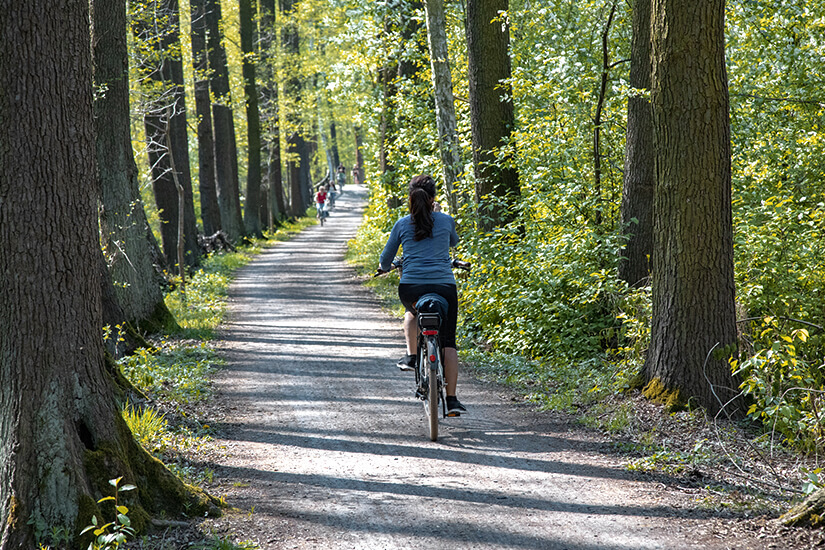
398,263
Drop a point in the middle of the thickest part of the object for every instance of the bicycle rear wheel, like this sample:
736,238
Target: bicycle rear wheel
433,390
432,405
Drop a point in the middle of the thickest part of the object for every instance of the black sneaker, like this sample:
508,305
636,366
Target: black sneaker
454,406
407,362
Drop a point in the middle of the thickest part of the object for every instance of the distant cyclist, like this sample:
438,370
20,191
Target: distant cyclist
320,200
341,176
426,237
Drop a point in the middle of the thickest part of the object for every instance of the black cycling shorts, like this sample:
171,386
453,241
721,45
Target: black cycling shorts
410,293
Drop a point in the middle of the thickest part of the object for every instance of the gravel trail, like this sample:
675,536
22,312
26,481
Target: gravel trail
328,449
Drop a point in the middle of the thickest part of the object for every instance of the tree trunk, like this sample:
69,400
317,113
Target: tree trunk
444,100
388,123
248,20
491,110
359,154
157,26
122,218
296,144
271,110
226,160
639,170
296,195
61,433
808,513
333,138
387,126
693,330
210,211
306,149
179,146
597,118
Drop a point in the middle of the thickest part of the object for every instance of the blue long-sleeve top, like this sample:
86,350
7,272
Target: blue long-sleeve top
426,261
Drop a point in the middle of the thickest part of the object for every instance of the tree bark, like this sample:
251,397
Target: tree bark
808,513
248,21
226,160
271,110
693,330
491,110
179,145
210,211
333,138
444,100
61,433
297,147
158,28
359,154
123,221
388,123
639,170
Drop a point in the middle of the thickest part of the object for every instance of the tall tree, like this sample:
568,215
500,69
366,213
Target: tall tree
333,139
359,153
639,170
297,146
491,109
249,33
270,109
157,28
123,222
207,181
61,432
444,100
693,328
389,90
226,160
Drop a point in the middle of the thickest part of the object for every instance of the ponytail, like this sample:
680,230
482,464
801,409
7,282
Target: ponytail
421,213
422,192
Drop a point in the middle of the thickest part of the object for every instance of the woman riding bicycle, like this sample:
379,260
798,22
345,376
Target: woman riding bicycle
426,237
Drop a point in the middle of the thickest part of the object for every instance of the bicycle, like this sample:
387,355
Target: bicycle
322,212
430,382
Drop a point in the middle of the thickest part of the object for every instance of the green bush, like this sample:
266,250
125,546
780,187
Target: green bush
785,388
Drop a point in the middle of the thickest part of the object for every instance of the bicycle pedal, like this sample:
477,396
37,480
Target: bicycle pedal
452,414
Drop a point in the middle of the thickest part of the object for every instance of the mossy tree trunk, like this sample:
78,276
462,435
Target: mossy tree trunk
123,222
61,433
693,329
639,169
491,109
808,513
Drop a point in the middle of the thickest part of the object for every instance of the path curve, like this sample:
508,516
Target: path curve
327,448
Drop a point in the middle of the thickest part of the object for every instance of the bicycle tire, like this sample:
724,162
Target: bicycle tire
432,396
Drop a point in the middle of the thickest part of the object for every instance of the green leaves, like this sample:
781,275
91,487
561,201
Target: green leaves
110,536
785,387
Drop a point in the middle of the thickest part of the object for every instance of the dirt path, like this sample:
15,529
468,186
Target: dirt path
326,447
